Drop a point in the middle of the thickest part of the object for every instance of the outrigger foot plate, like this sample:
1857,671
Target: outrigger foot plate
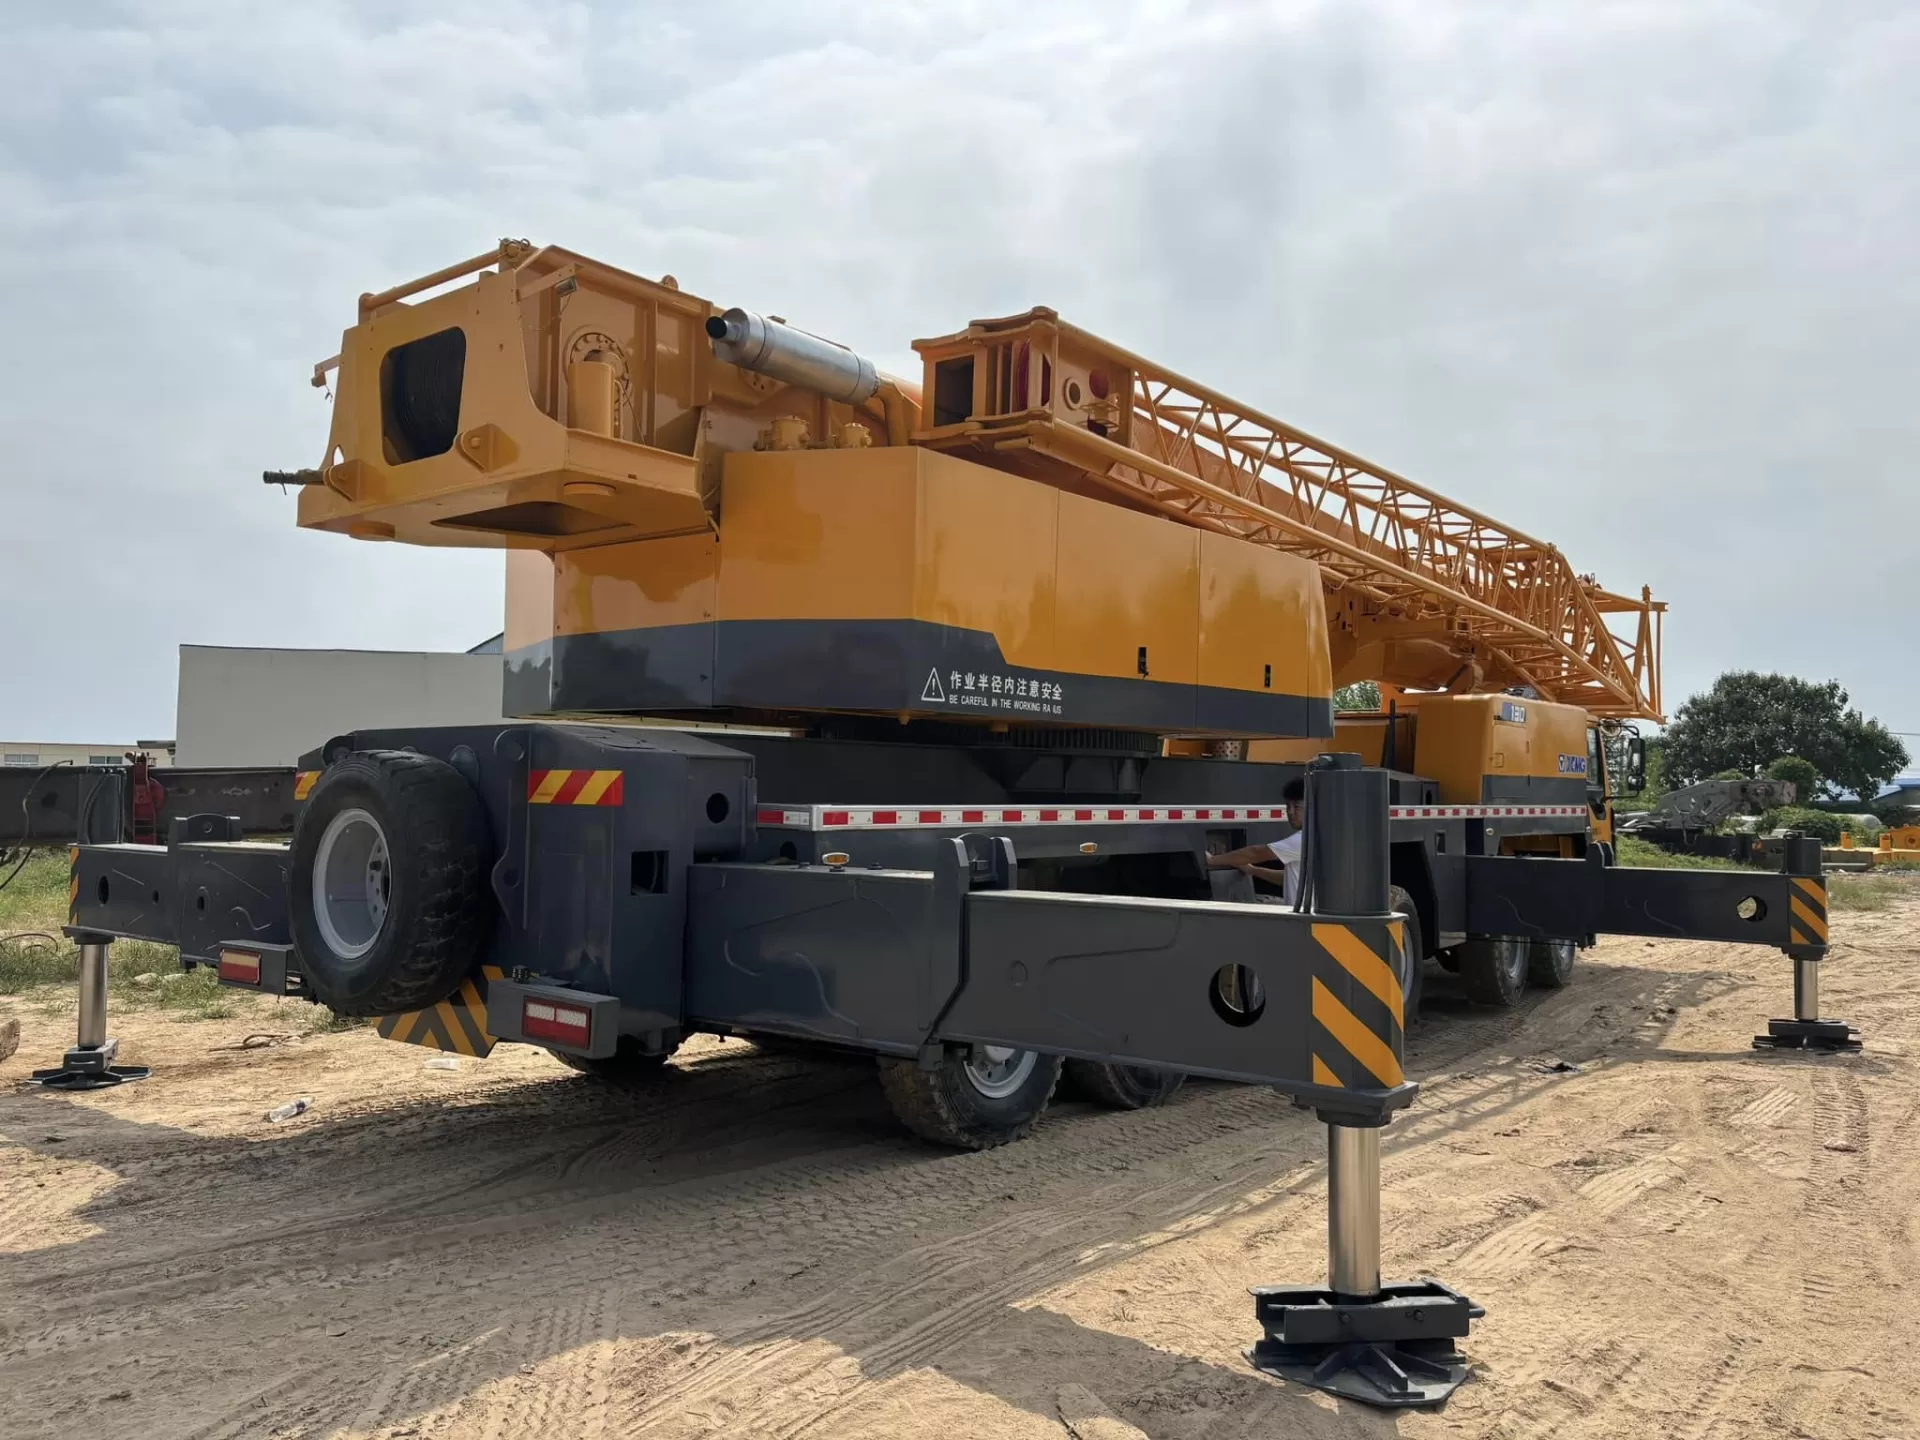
1828,1035
1396,1349
89,1067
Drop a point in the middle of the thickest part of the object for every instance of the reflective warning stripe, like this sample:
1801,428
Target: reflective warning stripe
1808,923
576,787
932,817
73,884
457,1024
1374,1054
1323,1074
1356,957
303,783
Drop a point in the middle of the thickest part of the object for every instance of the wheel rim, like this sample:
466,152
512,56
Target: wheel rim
1511,954
352,883
996,1071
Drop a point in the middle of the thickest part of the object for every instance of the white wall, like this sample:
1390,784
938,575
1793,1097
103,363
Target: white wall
264,707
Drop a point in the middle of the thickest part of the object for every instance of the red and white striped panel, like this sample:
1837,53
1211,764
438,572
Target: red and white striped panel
908,817
1481,812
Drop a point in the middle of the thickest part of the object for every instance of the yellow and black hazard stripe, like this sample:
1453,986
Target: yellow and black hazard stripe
73,885
303,783
1359,1007
1807,924
458,1024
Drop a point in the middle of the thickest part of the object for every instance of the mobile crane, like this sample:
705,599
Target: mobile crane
927,647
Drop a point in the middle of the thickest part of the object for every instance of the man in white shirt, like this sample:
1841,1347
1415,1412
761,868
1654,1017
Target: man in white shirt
1253,860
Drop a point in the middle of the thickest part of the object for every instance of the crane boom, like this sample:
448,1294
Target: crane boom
1422,591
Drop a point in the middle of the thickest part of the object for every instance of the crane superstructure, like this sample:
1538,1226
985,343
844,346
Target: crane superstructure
561,406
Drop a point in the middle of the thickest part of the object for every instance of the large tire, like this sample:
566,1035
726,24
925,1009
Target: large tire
628,1066
388,898
1413,983
1550,963
1123,1087
969,1103
1493,969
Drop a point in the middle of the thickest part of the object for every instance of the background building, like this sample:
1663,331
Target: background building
38,754
246,707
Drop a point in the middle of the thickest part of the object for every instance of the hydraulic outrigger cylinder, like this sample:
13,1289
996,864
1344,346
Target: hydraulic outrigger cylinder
89,1064
1394,1344
1807,947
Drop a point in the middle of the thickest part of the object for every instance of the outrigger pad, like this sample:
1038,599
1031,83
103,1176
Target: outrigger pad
1394,1350
89,1067
1829,1035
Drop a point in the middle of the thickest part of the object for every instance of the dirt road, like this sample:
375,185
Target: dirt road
1682,1238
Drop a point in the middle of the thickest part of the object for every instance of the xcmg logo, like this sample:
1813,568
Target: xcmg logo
1573,764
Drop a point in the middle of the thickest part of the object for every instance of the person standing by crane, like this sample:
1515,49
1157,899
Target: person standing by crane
1254,861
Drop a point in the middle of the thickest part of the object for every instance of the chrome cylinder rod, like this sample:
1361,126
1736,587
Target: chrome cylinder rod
93,995
1806,989
1353,1211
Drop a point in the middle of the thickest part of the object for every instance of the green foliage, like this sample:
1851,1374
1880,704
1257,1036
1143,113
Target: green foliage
1748,720
1798,773
37,897
1656,785
1866,827
1641,854
1729,775
1807,822
1866,892
1361,695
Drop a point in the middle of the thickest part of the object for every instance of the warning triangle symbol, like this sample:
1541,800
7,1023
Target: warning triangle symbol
933,691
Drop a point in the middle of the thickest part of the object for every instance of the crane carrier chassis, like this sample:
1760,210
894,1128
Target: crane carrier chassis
638,890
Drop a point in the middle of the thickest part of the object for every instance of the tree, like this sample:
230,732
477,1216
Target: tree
1748,720
1361,695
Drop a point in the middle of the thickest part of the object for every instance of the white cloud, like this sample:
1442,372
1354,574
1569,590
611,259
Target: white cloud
1633,277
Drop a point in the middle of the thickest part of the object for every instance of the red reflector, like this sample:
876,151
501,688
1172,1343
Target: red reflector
770,817
834,817
1203,814
973,817
1116,814
1083,814
929,817
1049,814
240,966
545,1020
886,817
1176,814
1009,817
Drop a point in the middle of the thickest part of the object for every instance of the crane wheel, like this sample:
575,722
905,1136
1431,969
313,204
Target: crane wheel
1122,1087
1550,963
629,1065
387,885
976,1098
1414,947
1493,969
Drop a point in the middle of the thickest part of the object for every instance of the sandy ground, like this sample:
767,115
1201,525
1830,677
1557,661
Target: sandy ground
1683,1238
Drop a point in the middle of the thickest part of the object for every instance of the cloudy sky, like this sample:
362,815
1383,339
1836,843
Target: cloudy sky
1637,277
